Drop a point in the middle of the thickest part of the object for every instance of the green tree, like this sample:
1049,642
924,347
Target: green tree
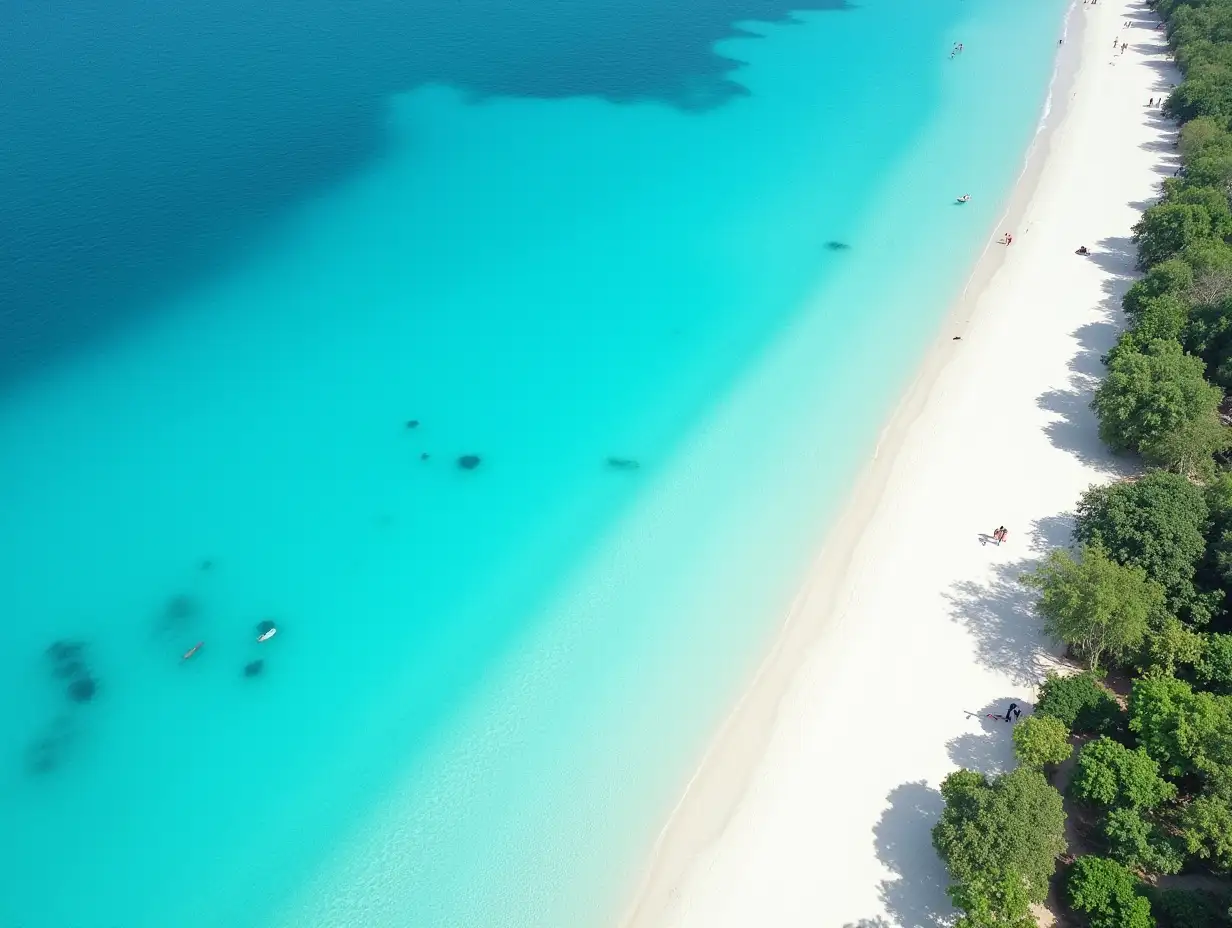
1206,826
1156,523
1139,844
1080,702
1172,278
1169,645
1157,402
1167,228
1108,894
1214,668
1040,740
1187,908
1204,136
1186,732
1095,606
1000,839
1110,774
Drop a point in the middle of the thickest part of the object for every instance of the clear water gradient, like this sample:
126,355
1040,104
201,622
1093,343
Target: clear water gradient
549,235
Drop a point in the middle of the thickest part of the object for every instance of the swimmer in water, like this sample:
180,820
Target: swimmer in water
193,650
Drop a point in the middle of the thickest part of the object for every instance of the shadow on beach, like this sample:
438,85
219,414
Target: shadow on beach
1000,616
1075,429
915,896
991,749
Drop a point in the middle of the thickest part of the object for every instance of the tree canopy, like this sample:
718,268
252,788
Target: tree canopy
1080,702
1156,523
1187,732
1000,838
1110,774
1156,401
1108,893
1094,605
1040,740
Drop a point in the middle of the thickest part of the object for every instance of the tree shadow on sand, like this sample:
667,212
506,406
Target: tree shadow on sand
1001,617
991,749
914,897
1074,428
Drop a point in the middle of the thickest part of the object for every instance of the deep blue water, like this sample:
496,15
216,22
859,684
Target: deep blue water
147,141
245,244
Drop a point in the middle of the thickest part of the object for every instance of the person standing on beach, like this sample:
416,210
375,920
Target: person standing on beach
1009,713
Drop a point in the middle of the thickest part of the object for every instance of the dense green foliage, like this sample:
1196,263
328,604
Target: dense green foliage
1181,908
1157,523
1094,605
1137,840
1156,401
1108,894
1080,702
1213,669
1000,838
1110,774
1187,732
1040,740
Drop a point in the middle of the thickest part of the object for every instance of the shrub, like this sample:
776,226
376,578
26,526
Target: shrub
1157,402
1213,669
1080,702
1095,606
1110,774
1139,844
1206,827
1186,732
1108,893
1156,523
1187,908
1000,838
1040,740
1167,228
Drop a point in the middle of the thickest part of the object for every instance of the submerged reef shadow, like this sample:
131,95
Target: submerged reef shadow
271,107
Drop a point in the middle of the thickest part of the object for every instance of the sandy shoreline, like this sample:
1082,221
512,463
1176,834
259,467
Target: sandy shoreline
814,804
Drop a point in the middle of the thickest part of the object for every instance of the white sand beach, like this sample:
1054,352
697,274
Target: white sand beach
815,804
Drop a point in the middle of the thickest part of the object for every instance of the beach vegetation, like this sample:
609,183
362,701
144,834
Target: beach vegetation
1110,774
1169,646
1206,827
1081,702
1040,740
1213,668
1157,523
1140,843
1096,607
1108,894
1000,838
1189,908
1171,278
1166,229
1156,401
1188,732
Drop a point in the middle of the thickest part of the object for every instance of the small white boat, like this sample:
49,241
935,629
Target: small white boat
266,636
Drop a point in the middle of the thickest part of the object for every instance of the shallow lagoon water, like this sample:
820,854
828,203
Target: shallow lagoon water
488,686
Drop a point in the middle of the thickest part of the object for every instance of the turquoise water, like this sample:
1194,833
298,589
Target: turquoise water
489,686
